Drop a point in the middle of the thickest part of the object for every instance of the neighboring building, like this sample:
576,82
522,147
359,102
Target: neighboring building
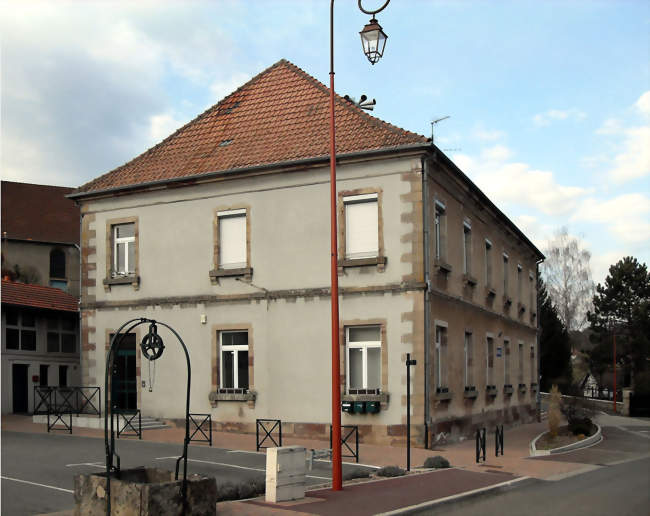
40,235
222,231
40,342
40,291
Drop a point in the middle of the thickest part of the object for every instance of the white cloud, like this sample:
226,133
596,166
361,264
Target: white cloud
634,160
487,135
610,126
600,264
534,229
496,153
518,184
626,217
643,104
222,88
544,119
162,125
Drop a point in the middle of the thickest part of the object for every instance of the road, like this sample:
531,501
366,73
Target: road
38,469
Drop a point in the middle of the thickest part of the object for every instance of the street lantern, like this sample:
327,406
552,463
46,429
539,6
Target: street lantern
373,40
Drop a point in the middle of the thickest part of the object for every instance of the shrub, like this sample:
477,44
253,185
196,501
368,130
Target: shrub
245,489
578,412
554,411
356,473
436,462
390,471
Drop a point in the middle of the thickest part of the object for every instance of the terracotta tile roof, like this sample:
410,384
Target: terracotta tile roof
280,115
39,212
36,296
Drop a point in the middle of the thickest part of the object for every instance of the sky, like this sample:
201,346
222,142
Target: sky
548,101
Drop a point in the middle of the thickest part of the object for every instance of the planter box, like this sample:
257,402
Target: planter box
144,492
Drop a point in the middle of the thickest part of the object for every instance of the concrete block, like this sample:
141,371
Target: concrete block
285,473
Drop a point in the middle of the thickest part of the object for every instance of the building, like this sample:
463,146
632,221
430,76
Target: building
222,231
40,292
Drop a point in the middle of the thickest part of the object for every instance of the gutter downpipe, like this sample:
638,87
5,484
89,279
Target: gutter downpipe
538,400
427,303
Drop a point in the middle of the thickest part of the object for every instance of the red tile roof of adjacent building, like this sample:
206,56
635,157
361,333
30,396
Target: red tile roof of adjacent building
37,296
279,116
39,212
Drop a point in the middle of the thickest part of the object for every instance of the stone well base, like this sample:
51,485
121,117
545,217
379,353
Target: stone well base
144,492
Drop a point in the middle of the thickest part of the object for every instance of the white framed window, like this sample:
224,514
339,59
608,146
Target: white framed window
520,356
489,361
361,226
61,335
233,253
441,356
467,248
533,375
469,360
440,230
519,283
123,249
234,361
20,330
363,360
488,263
531,283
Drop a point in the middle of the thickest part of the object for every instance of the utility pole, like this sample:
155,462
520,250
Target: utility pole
409,363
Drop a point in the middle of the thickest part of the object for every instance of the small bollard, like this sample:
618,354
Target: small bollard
480,444
498,440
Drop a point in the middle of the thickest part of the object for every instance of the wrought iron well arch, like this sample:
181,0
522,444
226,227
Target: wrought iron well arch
152,348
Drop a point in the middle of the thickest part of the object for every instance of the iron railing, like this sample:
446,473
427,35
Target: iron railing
349,436
76,400
480,444
54,418
198,425
498,441
128,417
268,429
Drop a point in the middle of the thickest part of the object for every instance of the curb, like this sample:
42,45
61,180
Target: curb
475,493
593,439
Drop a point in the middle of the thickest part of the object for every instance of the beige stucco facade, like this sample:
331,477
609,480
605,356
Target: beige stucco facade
282,298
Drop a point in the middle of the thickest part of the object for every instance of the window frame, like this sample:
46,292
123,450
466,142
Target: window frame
468,348
359,195
467,248
489,360
59,331
128,242
364,346
489,273
244,269
507,380
235,349
58,252
20,328
112,277
440,230
441,346
520,361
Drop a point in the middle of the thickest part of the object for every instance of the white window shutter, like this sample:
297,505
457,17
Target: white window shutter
361,229
232,242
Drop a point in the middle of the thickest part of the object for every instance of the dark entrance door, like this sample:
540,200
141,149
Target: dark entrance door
125,389
19,381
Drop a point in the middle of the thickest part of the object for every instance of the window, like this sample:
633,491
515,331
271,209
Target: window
532,292
42,377
488,263
20,330
533,376
57,264
61,335
506,363
63,376
361,226
469,360
440,228
521,362
363,359
234,361
467,248
505,274
490,362
441,357
233,253
123,249
519,283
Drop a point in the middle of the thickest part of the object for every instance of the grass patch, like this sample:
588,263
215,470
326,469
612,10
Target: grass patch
356,473
391,471
436,462
564,437
240,491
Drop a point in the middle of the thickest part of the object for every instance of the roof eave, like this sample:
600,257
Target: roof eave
399,149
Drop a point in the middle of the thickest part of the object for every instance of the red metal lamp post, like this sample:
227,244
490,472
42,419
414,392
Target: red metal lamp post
373,40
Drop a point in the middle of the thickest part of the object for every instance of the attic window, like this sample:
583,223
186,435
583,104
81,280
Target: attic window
225,143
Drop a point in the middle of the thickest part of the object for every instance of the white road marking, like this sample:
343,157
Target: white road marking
246,451
634,432
93,464
233,466
36,484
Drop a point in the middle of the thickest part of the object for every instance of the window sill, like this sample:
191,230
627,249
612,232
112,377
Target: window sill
491,390
225,273
470,393
215,396
361,262
443,395
132,280
443,267
522,388
507,389
521,308
533,387
490,292
382,398
470,280
507,301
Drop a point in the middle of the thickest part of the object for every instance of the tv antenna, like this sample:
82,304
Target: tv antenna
436,121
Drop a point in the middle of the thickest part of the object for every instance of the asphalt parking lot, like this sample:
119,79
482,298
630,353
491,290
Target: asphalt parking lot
38,469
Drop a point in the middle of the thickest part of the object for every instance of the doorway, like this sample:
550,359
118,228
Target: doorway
19,373
124,382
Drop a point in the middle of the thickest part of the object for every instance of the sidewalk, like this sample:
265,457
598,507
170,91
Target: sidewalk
378,496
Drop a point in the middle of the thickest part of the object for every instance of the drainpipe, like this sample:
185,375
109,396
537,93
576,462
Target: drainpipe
538,398
427,304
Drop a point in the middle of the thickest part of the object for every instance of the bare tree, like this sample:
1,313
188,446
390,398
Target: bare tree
568,280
